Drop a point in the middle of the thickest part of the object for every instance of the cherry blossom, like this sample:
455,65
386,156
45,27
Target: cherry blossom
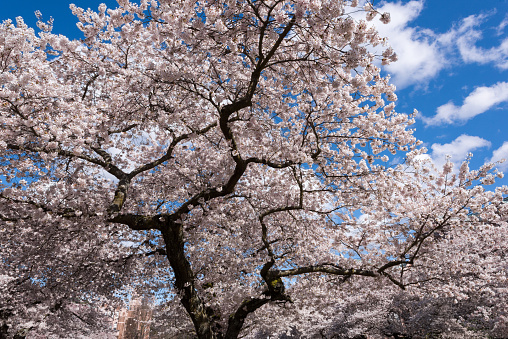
231,160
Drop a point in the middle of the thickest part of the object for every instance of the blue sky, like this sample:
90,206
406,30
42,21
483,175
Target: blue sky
452,68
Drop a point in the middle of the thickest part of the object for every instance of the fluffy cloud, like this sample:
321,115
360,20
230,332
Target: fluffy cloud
457,150
466,37
477,102
499,154
419,56
422,53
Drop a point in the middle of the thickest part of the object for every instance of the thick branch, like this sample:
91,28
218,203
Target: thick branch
138,222
324,268
237,319
275,291
336,270
269,163
394,263
120,196
185,280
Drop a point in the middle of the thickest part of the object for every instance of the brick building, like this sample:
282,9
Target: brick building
134,323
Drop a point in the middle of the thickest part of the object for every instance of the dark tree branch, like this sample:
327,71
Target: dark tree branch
185,280
139,222
169,152
59,152
324,268
89,82
120,196
270,163
237,319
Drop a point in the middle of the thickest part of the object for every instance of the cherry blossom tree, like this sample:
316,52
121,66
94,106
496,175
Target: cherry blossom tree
231,156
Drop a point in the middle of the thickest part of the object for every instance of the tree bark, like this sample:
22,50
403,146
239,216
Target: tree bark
185,281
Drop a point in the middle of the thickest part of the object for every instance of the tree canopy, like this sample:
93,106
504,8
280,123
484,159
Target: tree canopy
233,160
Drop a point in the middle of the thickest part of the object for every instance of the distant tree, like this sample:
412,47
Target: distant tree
231,156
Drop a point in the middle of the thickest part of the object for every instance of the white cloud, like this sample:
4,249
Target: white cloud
422,53
466,36
457,150
477,102
419,56
499,154
502,25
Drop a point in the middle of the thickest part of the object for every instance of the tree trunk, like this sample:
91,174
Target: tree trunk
184,281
